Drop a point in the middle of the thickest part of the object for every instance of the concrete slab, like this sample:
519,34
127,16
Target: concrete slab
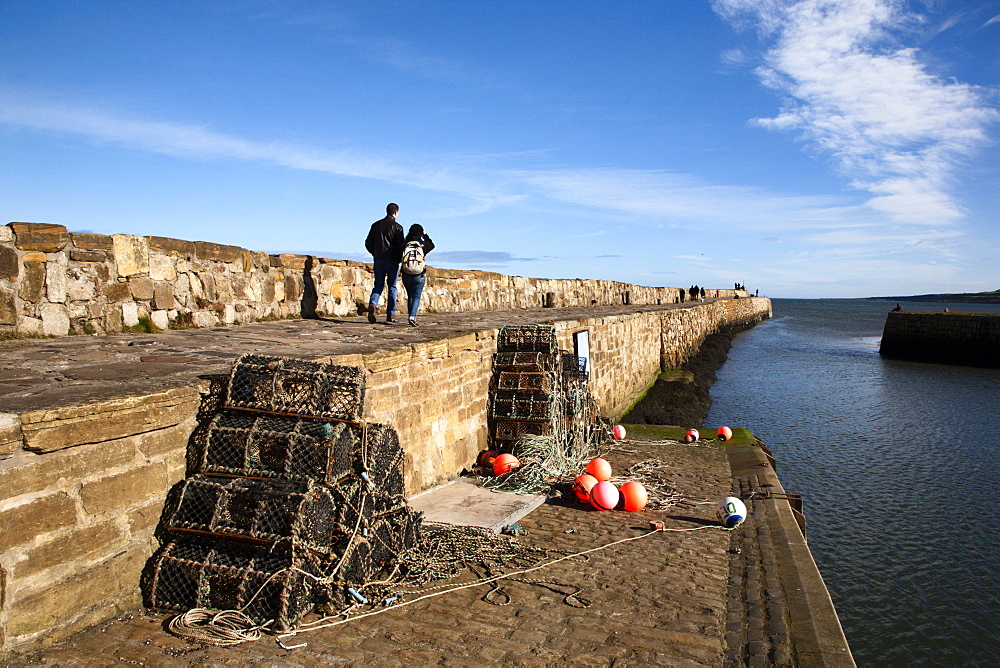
463,502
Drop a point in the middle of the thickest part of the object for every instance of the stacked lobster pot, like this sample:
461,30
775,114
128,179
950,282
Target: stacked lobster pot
292,501
537,389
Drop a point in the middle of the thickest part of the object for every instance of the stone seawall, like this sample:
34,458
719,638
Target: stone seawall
85,465
971,339
54,282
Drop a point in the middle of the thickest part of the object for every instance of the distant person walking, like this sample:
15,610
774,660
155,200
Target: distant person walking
416,247
385,243
897,309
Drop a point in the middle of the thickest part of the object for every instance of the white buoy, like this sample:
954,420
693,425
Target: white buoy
731,512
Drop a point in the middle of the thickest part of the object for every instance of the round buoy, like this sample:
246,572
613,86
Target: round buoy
599,468
725,433
582,486
691,436
618,433
486,458
505,463
634,496
604,495
731,512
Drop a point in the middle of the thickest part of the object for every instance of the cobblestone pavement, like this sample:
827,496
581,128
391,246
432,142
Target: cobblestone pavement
662,599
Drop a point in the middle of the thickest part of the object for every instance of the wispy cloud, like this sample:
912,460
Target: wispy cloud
895,129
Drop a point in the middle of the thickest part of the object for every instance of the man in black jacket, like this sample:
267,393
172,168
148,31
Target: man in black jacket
385,243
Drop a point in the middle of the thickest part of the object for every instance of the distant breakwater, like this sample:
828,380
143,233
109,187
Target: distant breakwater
970,339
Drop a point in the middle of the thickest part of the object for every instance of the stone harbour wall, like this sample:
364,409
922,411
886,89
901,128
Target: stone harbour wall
54,282
956,338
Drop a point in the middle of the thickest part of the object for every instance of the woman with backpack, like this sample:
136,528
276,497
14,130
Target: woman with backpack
414,270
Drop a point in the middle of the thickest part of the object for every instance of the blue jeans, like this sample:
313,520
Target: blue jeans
414,288
385,271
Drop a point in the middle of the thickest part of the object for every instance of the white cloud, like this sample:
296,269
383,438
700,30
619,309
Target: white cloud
897,130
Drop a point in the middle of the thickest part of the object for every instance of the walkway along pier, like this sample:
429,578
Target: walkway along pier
93,429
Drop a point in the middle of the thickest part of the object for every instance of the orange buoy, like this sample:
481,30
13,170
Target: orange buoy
599,468
486,458
582,486
604,495
691,436
725,433
505,463
634,496
618,433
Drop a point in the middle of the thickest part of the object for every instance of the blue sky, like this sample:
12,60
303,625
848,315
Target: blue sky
806,148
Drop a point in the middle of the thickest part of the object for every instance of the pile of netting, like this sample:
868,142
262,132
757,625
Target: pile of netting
654,475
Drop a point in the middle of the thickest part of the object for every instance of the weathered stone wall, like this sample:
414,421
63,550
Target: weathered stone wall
957,338
54,282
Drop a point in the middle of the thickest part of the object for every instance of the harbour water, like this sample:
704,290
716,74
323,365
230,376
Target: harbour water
898,463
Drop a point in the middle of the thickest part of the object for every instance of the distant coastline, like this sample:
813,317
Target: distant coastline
960,298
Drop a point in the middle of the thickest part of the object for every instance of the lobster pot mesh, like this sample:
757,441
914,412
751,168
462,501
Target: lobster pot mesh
265,583
535,362
381,457
393,534
525,381
285,385
246,444
574,366
354,503
527,339
510,430
356,567
514,406
266,510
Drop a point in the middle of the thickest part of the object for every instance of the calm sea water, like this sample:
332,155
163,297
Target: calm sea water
899,463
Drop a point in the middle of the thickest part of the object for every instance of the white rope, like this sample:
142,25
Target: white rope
226,628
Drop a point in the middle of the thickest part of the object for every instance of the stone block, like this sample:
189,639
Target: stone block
204,319
161,268
117,292
33,282
10,434
131,254
91,242
40,472
160,318
87,256
143,520
124,489
10,265
22,524
51,607
141,288
41,237
385,360
205,250
130,314
8,307
175,247
29,326
55,429
6,234
161,441
55,319
289,261
77,544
